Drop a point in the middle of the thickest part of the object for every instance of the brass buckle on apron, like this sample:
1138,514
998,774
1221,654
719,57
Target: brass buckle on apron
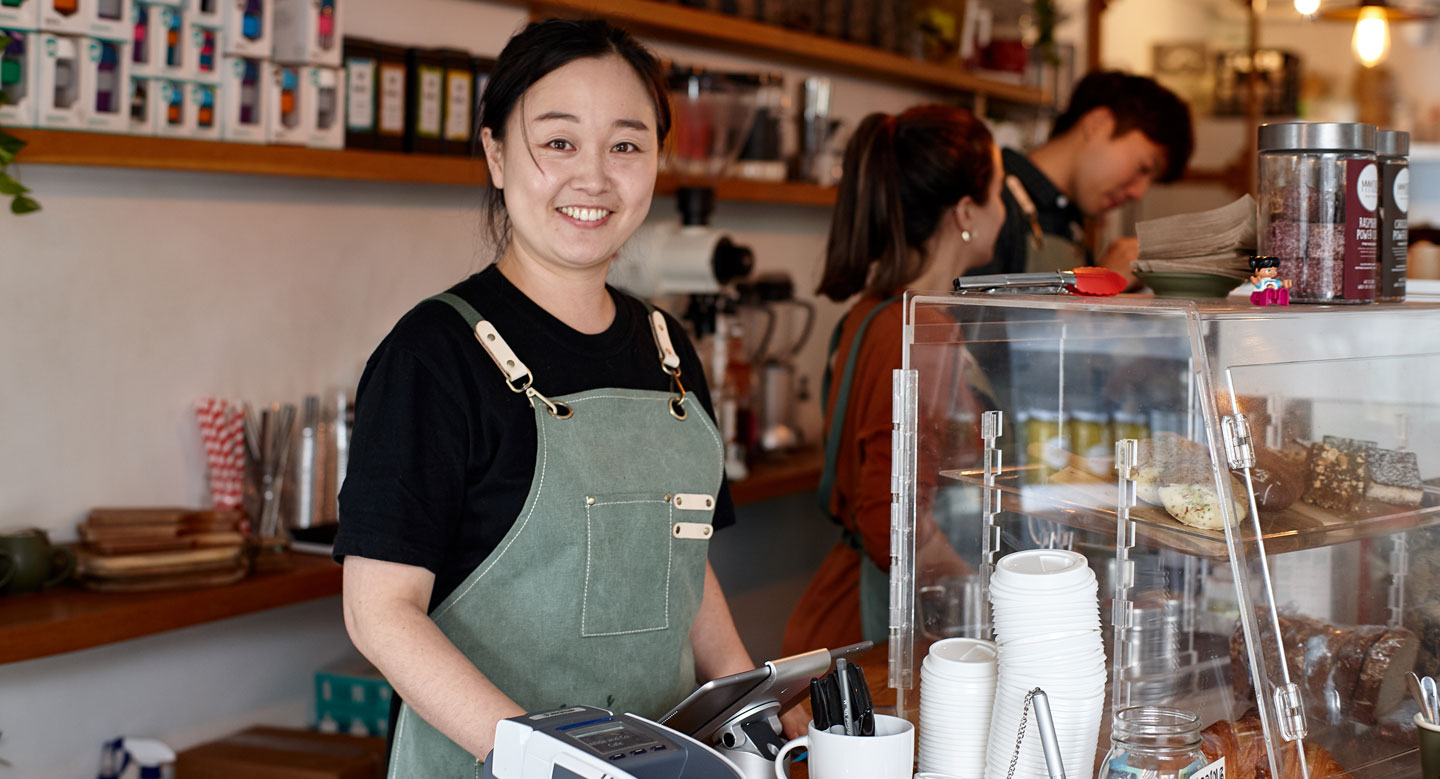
677,404
558,410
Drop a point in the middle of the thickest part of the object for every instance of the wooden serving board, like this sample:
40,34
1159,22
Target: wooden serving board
173,581
157,562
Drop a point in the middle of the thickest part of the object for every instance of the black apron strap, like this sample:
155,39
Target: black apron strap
836,429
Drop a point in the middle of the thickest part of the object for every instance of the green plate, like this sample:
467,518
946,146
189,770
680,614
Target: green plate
1188,285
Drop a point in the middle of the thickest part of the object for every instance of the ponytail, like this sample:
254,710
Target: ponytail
901,174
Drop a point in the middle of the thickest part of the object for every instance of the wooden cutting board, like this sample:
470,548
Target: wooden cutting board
118,566
180,581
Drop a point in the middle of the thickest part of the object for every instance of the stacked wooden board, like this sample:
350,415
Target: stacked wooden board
135,549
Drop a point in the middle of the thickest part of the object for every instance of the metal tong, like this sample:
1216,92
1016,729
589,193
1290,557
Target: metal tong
1046,283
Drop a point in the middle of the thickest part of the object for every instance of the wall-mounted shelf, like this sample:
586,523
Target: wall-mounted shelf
60,147
719,30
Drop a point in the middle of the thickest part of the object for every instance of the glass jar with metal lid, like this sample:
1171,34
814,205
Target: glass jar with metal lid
1392,149
1319,208
1153,742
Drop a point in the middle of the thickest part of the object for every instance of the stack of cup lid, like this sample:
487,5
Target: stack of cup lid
957,687
1047,634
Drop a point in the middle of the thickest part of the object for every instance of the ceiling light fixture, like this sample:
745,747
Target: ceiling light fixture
1372,19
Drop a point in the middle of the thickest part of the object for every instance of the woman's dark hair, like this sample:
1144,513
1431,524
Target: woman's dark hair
901,174
535,52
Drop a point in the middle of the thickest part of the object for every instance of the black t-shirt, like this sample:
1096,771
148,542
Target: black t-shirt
1056,214
443,452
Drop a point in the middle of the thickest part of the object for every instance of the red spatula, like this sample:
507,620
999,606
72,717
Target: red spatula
1094,282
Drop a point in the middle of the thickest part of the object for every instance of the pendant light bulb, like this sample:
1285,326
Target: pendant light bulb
1307,7
1372,36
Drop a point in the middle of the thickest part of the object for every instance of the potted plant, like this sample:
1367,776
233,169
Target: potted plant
20,200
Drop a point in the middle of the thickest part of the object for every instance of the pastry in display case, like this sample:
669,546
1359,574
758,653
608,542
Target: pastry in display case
1248,485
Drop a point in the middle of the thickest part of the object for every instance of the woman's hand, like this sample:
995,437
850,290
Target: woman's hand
795,722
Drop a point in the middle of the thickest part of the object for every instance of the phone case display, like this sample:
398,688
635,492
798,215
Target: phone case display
19,78
308,32
20,14
202,51
104,83
210,13
425,105
244,94
204,104
459,97
390,97
1265,541
159,46
362,69
481,68
60,95
108,19
247,27
169,108
288,113
326,106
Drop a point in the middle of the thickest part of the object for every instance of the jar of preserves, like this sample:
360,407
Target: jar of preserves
1319,209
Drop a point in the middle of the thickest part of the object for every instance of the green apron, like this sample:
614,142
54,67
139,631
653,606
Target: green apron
590,597
1043,251
874,583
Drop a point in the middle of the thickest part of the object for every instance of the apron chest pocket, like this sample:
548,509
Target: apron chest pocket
629,563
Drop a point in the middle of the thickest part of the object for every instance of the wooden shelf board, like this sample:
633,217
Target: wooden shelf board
767,479
713,29
68,618
61,147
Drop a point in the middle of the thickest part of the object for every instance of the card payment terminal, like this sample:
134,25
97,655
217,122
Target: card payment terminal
583,742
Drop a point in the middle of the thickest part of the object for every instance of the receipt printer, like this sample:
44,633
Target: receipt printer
582,742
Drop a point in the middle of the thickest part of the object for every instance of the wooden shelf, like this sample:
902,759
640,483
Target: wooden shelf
782,476
66,619
712,29
61,147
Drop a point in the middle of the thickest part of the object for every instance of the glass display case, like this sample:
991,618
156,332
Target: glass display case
1247,484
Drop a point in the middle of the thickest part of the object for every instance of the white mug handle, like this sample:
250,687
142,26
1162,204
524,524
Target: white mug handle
783,758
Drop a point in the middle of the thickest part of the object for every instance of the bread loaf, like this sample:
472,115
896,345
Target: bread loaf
1344,672
1242,744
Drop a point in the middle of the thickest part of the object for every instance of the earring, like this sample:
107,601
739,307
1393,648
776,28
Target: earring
965,236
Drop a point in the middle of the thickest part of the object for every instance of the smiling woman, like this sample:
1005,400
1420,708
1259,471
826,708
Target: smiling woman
527,459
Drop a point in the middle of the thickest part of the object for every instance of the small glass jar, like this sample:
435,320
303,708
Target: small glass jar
1319,209
1154,742
1393,153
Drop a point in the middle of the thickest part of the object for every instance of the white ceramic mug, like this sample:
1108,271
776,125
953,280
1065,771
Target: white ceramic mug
889,754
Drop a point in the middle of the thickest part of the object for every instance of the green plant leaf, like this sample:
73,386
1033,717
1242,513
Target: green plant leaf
23,205
10,143
9,186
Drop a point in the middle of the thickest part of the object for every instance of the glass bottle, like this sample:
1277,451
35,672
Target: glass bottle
1154,742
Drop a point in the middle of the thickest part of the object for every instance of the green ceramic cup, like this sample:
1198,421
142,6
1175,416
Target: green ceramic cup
28,563
1429,748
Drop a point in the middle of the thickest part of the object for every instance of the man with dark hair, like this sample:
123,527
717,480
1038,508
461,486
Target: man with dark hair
1120,134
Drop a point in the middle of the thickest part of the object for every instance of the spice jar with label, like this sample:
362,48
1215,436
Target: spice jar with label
1319,209
1393,154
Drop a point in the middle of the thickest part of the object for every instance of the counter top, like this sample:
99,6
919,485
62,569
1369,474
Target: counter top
69,618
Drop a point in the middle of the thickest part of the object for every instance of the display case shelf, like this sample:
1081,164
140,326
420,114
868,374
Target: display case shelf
708,28
60,147
1081,501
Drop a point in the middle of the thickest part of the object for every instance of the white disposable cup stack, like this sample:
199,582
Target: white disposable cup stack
1047,635
957,690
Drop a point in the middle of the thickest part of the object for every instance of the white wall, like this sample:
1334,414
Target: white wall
135,292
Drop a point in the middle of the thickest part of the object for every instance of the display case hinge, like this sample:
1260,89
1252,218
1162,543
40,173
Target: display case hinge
1290,712
1239,447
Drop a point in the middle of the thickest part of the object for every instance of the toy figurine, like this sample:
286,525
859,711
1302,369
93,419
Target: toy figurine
206,60
206,105
140,50
252,18
325,25
1270,289
172,39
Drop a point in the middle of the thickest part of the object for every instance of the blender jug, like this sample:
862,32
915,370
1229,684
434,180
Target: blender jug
769,309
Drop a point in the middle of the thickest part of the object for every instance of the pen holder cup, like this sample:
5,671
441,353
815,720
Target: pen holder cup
1429,747
889,754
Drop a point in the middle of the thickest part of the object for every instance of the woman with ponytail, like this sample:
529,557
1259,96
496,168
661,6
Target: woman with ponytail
919,204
